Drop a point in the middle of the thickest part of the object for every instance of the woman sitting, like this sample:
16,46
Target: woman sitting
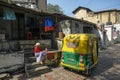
39,54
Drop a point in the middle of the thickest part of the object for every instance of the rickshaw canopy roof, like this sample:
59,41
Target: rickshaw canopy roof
78,43
78,37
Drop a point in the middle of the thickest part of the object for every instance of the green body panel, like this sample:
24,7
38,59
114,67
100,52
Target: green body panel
73,59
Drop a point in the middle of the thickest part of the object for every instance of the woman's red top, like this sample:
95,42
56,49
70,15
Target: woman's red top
37,49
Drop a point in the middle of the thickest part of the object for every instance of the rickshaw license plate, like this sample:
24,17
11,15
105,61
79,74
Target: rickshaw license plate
71,58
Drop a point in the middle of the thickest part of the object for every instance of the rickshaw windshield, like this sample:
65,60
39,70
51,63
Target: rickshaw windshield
72,44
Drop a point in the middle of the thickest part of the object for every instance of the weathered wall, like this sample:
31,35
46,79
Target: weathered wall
42,5
77,27
5,28
8,61
108,36
81,14
65,26
102,17
111,35
22,44
31,43
11,53
117,35
71,26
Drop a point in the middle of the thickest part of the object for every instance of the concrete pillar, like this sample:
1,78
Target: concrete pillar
42,5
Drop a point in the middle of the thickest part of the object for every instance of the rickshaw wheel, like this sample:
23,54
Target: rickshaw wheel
66,68
88,72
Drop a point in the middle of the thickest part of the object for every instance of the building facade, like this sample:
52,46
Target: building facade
8,1
25,3
40,5
104,17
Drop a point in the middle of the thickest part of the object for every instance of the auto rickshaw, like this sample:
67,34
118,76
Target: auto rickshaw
80,52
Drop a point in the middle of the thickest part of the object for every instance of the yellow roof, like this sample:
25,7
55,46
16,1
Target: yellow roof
78,37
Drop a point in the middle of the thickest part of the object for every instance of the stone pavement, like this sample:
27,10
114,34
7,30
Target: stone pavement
108,68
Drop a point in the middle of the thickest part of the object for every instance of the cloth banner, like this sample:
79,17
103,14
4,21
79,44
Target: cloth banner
49,24
9,14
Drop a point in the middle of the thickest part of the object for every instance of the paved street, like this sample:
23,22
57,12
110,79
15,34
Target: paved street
108,68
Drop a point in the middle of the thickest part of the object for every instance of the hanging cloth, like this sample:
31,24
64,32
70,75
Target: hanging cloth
49,24
9,14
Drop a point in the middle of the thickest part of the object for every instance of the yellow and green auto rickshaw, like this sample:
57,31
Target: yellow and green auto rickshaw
80,52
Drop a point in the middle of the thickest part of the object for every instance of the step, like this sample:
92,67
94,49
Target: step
28,54
38,71
30,59
27,50
4,76
33,65
26,60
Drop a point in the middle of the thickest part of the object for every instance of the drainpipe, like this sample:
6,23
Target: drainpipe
100,17
112,40
42,5
109,17
103,32
115,17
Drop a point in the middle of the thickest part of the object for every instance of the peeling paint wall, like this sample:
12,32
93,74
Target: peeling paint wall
66,26
8,46
12,59
71,26
107,36
117,39
11,53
